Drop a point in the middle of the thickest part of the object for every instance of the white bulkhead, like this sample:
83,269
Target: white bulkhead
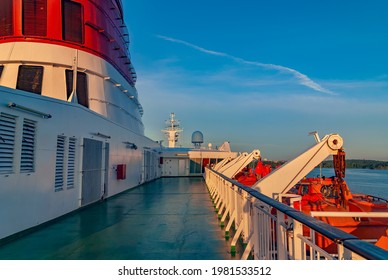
57,155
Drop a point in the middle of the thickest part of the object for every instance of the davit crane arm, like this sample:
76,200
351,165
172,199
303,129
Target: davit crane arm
222,163
236,165
281,180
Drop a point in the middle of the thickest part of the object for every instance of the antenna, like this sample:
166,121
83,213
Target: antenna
172,130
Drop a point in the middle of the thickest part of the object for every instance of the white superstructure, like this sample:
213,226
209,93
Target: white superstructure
57,155
71,131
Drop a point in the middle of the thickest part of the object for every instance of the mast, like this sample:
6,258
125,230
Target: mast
172,130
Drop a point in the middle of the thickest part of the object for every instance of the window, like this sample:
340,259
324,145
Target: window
1,70
82,87
35,17
6,18
30,78
195,166
72,21
120,6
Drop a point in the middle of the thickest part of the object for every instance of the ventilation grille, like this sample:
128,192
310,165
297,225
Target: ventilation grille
28,146
59,163
7,142
71,162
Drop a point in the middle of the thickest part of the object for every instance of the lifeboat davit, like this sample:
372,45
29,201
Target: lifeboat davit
332,194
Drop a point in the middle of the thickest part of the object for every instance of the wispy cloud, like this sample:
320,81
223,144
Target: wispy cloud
301,78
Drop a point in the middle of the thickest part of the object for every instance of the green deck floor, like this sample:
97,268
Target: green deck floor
168,219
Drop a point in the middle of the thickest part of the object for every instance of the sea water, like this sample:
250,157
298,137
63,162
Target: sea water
367,181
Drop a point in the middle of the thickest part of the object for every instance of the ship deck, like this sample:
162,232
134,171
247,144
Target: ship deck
167,219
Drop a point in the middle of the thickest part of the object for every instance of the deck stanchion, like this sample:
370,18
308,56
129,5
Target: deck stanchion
281,236
298,243
343,253
235,238
256,231
230,223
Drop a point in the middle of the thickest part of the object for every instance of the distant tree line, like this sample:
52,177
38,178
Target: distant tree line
360,163
274,164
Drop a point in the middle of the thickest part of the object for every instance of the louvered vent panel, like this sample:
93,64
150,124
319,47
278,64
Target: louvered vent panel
27,161
7,142
71,162
59,163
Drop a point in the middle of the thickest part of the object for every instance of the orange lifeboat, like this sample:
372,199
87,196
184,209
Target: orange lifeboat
333,195
249,177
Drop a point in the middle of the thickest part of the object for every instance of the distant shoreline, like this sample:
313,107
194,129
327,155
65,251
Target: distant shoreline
360,164
350,164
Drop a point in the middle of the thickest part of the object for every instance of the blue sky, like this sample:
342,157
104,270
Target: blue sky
263,74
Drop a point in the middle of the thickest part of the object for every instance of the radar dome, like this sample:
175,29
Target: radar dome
197,138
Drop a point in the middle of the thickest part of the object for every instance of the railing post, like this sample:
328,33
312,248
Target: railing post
298,253
240,218
246,214
281,235
256,232
343,253
227,211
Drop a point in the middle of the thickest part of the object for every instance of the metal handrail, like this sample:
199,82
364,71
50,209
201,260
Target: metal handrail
349,241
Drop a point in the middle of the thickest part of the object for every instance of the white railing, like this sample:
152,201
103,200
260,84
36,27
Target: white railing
272,230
